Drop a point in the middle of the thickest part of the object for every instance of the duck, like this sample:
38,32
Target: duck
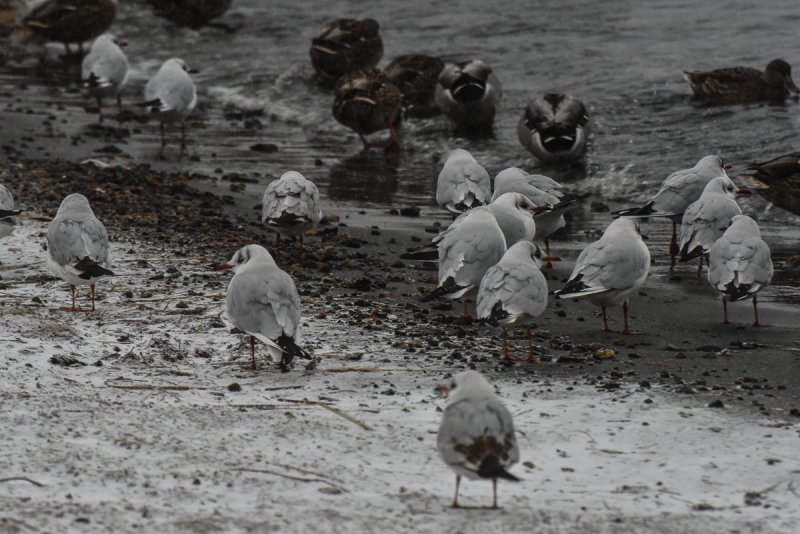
366,102
468,94
416,76
344,46
553,127
190,13
742,85
71,21
105,71
777,180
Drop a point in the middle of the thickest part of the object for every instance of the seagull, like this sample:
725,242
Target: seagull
466,250
739,264
71,21
105,71
678,190
262,300
171,93
476,437
344,46
77,246
552,127
190,13
544,192
706,219
463,183
514,291
416,76
290,206
366,102
777,180
468,94
7,212
742,85
610,270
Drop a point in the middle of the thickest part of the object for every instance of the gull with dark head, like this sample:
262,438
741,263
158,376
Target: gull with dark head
468,94
739,264
171,94
105,71
262,301
290,206
77,246
611,270
476,437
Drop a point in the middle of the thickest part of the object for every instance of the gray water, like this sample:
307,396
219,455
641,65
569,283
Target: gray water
623,59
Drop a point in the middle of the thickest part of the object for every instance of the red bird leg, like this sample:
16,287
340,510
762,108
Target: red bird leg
119,105
700,268
724,311
455,499
367,144
253,351
100,109
73,289
494,494
183,135
466,309
505,346
755,311
625,314
605,320
393,142
532,358
91,287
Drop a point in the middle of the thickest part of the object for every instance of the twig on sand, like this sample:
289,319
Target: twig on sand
330,408
25,479
176,387
290,477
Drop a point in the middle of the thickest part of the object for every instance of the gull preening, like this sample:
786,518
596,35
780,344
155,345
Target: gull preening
514,291
742,85
462,183
706,219
476,437
344,46
171,93
105,71
610,270
739,264
290,206
262,301
553,127
468,94
77,246
678,190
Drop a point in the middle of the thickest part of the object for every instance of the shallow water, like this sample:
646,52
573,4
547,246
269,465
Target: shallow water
623,59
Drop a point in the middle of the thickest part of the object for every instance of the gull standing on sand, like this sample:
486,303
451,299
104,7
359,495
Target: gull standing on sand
466,250
262,300
610,270
468,94
290,206
463,183
171,93
77,246
739,264
678,190
476,436
514,291
706,219
7,211
105,71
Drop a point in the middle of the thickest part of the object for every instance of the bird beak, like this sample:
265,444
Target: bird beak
790,86
442,390
224,266
727,166
743,191
541,209
193,71
122,44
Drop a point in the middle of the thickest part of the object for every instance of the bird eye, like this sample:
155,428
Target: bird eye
452,385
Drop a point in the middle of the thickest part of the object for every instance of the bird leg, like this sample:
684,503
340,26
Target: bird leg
163,138
755,311
494,494
367,144
253,351
455,498
605,321
120,115
700,268
548,264
73,289
724,311
92,290
466,309
183,135
673,247
625,314
393,143
532,358
505,355
100,109
277,239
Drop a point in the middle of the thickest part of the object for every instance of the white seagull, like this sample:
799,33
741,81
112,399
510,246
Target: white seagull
7,211
77,246
706,219
553,127
466,250
678,190
468,94
290,206
262,300
476,437
739,264
610,270
105,71
171,93
514,291
463,183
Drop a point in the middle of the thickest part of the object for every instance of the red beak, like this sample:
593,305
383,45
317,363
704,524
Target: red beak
224,266
727,167
442,390
193,71
743,191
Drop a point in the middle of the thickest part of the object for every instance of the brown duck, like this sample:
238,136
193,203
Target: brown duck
741,85
777,180
189,13
415,75
367,102
71,21
344,46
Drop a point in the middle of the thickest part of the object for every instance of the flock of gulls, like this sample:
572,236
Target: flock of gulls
491,252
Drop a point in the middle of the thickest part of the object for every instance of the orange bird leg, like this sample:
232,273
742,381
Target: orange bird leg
253,351
755,311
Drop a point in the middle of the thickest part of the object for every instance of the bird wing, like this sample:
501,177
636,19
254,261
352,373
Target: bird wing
68,242
679,190
519,287
741,261
613,263
460,179
264,304
175,91
706,220
467,252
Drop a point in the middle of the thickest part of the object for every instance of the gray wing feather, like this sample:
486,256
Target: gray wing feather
68,242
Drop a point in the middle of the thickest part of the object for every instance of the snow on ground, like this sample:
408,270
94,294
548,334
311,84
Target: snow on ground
152,435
